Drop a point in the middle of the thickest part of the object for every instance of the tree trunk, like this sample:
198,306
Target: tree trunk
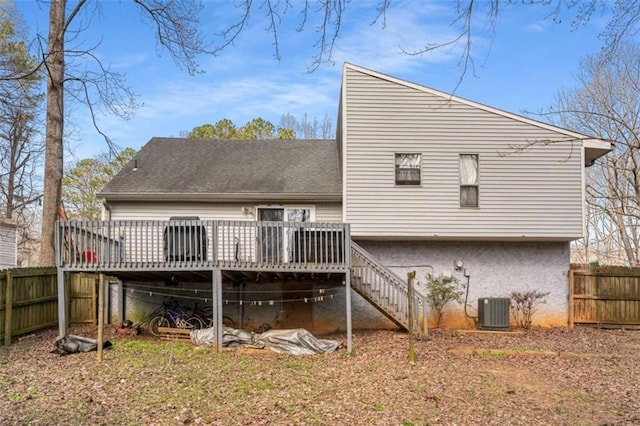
53,163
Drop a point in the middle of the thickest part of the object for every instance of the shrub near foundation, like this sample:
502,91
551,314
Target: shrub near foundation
524,305
440,291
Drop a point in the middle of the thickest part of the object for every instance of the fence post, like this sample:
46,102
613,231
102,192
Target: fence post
347,283
571,294
410,277
8,309
425,318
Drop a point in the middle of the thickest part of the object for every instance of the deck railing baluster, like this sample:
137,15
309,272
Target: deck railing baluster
184,244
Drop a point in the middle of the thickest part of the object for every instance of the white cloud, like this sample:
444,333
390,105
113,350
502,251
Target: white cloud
245,81
537,26
410,27
131,60
180,105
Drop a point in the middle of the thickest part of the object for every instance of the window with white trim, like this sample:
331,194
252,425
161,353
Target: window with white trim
469,182
408,168
275,243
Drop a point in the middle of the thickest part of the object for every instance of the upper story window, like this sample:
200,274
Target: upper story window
469,180
408,169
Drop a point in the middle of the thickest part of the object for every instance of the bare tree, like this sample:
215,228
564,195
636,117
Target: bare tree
175,23
471,17
307,128
607,104
21,146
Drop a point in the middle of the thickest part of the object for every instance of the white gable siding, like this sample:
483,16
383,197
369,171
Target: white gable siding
327,212
536,193
8,247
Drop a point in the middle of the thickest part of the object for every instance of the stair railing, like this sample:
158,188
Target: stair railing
385,290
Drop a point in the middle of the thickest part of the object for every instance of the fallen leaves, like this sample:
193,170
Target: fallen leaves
458,378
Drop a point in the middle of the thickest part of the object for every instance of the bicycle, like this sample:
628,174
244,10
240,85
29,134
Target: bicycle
205,314
174,317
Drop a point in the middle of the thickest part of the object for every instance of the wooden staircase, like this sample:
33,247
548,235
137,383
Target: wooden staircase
385,290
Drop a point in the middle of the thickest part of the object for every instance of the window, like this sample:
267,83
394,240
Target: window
285,213
408,169
468,180
275,242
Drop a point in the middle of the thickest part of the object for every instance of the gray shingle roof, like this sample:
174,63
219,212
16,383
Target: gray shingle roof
199,169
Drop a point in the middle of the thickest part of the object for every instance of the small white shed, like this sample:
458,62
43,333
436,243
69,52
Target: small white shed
8,244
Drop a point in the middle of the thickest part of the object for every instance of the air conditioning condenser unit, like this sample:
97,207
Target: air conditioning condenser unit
493,313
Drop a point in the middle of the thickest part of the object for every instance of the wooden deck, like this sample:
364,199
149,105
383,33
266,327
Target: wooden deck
212,250
201,245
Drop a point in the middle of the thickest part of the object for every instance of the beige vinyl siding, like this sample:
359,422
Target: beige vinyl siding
533,193
326,212
8,247
229,236
163,211
329,212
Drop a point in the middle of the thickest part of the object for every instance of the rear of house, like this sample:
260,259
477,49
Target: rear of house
429,178
286,183
416,178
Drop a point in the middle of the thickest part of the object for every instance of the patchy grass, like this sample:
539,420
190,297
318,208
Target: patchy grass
147,381
495,354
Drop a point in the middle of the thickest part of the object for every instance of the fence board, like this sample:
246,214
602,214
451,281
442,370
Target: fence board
83,294
604,295
29,300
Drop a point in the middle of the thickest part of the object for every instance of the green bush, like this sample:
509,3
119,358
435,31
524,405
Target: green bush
440,291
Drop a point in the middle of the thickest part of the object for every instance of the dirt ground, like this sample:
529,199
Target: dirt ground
555,376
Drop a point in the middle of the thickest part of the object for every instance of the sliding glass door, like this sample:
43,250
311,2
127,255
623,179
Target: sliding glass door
275,238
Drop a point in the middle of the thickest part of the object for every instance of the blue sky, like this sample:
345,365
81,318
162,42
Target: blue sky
521,68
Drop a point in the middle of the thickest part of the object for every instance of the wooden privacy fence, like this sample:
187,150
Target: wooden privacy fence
604,295
29,300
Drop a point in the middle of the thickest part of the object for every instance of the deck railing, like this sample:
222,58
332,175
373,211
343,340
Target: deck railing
202,244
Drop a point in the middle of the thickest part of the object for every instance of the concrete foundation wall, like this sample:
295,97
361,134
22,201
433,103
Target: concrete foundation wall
496,269
317,306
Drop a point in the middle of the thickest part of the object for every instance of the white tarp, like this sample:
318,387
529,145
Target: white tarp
296,341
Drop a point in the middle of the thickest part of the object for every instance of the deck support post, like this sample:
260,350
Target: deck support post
62,303
216,281
410,277
8,310
347,280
